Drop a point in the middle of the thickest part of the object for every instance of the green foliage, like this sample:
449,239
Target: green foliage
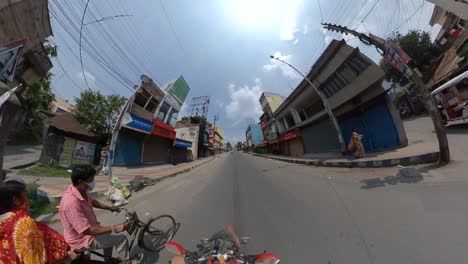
45,171
196,119
97,112
417,44
37,103
38,207
50,48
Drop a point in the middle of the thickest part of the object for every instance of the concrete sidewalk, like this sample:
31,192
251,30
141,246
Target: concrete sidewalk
54,187
20,156
422,149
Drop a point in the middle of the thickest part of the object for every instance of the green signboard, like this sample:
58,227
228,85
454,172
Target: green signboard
180,88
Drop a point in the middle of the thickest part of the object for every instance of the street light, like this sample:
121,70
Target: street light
325,104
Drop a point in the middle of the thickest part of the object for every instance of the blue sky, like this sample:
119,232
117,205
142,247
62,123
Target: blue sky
221,47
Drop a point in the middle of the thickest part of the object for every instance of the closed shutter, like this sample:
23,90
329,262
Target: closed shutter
377,126
128,148
178,155
295,146
155,150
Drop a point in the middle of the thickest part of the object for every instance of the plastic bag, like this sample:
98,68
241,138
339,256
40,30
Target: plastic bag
126,192
117,196
116,182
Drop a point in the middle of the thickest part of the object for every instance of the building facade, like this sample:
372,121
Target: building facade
270,103
452,16
194,129
216,138
254,137
352,84
146,135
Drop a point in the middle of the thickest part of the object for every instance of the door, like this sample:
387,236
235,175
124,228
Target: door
128,148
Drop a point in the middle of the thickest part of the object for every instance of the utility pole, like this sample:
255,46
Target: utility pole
400,60
216,118
326,105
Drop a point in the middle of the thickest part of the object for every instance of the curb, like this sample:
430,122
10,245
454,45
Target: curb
430,157
42,195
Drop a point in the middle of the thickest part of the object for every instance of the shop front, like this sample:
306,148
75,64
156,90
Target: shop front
178,152
130,141
156,145
291,143
262,148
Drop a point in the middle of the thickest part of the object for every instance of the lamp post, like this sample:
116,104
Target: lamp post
325,102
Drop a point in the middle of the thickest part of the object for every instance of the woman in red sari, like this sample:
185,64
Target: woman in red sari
23,240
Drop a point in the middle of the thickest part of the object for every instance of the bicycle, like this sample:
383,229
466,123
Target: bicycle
148,235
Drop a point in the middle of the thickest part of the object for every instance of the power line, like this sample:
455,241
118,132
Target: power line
66,73
407,19
368,13
81,34
97,55
172,28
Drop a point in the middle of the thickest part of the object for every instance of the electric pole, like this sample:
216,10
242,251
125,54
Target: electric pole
400,60
326,105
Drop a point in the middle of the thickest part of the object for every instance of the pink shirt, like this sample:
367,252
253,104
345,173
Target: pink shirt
77,215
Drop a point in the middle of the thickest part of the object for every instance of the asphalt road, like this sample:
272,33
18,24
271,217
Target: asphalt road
313,215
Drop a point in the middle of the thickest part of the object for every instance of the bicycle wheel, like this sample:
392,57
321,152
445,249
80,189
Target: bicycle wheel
157,232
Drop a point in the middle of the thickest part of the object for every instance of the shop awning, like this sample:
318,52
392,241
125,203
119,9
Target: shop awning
164,130
182,143
289,135
136,123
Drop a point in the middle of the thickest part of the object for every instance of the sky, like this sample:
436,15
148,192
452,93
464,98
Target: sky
221,47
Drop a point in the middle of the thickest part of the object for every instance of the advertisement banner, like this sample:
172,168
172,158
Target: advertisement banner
182,144
137,123
289,135
83,153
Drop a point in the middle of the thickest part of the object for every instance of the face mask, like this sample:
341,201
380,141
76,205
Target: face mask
91,185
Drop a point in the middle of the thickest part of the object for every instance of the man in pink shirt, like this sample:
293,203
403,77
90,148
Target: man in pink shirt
81,228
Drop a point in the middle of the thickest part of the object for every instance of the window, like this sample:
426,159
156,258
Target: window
289,120
141,98
163,111
152,105
358,64
347,73
302,115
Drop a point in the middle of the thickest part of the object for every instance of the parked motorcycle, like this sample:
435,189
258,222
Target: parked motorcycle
224,247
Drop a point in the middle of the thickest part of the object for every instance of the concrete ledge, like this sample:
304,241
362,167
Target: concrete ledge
54,192
425,158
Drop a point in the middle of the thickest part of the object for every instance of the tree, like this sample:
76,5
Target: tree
97,112
36,100
417,44
229,146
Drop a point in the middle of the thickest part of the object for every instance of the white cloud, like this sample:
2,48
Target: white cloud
289,24
295,41
286,71
244,105
305,30
90,78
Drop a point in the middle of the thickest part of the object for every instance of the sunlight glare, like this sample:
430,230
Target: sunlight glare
256,13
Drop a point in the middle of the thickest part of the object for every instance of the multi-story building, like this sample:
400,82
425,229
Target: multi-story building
147,135
352,84
216,138
254,136
269,102
452,16
195,130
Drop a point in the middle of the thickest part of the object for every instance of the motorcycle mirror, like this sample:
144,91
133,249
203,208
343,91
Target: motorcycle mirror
244,240
267,258
174,248
204,241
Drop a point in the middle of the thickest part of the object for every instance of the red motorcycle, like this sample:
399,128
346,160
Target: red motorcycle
224,247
